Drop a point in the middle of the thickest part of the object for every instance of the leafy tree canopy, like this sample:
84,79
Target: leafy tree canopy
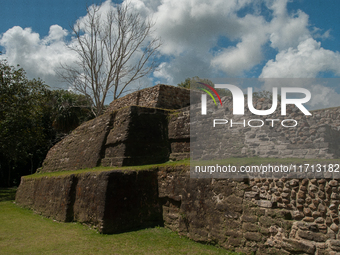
68,109
32,119
194,83
21,126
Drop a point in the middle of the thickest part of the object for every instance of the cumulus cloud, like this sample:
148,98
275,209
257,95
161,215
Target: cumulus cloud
189,27
324,91
184,66
42,57
323,96
185,24
305,61
105,7
191,31
39,57
244,56
288,31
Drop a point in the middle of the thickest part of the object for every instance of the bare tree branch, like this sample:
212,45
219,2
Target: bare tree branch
113,51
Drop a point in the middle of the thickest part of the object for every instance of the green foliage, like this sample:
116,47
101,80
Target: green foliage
21,122
265,94
99,169
7,194
194,83
68,110
254,161
32,119
185,84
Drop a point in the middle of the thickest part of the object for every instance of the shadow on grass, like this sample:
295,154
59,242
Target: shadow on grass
7,194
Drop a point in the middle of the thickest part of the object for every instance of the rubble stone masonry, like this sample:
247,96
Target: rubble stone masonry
264,216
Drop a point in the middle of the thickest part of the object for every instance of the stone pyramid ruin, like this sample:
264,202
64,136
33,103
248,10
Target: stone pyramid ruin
256,215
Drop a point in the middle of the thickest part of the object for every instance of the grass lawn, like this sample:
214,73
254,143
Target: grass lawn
23,232
232,161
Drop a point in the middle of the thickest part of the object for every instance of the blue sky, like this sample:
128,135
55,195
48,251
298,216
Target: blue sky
41,14
324,15
216,38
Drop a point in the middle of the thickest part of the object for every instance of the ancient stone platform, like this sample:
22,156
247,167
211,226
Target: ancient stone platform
282,216
101,200
266,216
135,131
128,134
315,136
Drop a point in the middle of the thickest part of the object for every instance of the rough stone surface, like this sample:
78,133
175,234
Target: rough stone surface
159,96
298,247
179,135
144,134
98,199
81,149
138,136
218,211
129,133
314,136
50,196
264,216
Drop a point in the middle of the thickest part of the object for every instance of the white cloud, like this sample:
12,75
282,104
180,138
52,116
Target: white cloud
323,97
56,33
191,31
39,57
103,11
289,31
247,53
317,33
305,61
162,73
196,24
324,92
189,27
184,66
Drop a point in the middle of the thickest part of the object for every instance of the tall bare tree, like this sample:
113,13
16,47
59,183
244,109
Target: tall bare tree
114,48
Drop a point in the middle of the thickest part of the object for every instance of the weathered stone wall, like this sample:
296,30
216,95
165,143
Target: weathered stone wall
112,202
159,96
179,135
50,196
267,216
133,135
280,216
133,131
314,136
81,149
329,116
139,136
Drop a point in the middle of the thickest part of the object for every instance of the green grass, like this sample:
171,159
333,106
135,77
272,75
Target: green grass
231,161
109,168
23,232
7,194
